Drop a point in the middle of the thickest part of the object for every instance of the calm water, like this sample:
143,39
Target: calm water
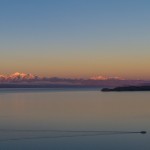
39,119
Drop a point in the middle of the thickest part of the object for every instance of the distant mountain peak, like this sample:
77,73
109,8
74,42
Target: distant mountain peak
18,77
106,78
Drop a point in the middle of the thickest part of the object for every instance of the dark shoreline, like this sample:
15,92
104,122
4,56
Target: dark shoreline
126,88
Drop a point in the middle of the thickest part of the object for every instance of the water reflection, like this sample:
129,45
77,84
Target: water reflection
27,115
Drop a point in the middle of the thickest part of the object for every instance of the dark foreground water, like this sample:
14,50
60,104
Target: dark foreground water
50,119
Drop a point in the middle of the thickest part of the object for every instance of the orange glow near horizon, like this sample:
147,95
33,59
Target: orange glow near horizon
79,64
76,40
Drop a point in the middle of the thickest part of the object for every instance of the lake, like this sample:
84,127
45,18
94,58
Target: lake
73,119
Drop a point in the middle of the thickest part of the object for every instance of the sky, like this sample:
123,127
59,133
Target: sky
75,38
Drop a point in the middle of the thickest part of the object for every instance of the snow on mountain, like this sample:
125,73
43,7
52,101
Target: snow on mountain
2,77
18,77
106,78
98,78
28,77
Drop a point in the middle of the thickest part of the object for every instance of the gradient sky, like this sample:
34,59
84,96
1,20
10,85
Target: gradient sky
75,38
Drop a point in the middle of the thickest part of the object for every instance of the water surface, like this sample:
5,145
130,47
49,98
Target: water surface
42,119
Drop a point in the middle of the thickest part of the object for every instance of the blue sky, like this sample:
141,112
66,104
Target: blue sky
75,37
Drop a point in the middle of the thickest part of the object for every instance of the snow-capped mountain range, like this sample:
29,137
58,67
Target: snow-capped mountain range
24,77
18,77
29,79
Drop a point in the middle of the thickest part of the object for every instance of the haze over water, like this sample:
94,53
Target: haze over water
26,114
